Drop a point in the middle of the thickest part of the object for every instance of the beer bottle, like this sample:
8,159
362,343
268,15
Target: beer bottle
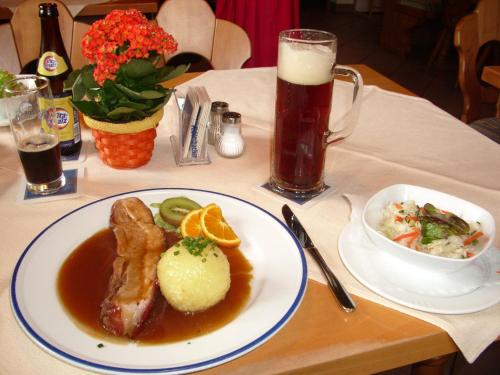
54,64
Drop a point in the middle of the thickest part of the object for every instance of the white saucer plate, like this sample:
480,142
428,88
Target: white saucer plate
470,289
277,287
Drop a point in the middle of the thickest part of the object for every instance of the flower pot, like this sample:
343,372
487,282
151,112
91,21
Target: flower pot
125,145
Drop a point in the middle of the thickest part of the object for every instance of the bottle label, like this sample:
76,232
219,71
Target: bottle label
66,117
51,64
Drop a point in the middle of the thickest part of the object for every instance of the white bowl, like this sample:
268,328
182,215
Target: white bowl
372,215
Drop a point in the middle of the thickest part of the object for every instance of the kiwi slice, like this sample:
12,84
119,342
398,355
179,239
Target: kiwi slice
173,210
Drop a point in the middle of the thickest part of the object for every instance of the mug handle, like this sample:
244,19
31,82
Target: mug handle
351,118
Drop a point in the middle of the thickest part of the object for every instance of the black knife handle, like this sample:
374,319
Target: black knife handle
345,300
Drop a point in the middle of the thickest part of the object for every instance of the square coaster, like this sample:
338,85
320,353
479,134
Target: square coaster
300,202
69,190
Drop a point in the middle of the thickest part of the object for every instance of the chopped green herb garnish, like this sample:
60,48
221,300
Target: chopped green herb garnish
176,252
100,345
196,245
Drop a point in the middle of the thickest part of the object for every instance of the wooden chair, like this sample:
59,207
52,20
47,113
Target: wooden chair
25,24
76,57
472,32
9,59
194,25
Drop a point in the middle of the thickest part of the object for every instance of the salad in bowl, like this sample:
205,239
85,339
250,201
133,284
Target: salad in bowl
5,77
428,228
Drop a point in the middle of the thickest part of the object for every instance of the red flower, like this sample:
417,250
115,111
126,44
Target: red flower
121,36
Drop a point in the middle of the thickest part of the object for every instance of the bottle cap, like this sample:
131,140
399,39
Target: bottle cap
231,118
219,107
47,10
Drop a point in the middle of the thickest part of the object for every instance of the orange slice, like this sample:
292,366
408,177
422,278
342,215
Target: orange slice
190,225
216,228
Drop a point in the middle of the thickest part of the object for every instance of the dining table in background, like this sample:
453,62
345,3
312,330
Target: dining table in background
320,337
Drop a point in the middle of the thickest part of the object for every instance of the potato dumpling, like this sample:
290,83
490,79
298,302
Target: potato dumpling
193,275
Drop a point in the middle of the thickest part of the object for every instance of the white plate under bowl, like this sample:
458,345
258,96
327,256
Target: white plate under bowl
372,216
470,289
278,285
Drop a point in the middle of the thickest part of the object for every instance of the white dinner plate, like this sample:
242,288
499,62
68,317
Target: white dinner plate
470,289
277,287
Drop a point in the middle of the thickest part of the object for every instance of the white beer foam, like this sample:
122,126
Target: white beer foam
305,64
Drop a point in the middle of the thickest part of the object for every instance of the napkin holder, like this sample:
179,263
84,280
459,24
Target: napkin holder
190,144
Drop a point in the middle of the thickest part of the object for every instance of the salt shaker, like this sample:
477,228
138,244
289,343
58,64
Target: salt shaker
230,143
214,125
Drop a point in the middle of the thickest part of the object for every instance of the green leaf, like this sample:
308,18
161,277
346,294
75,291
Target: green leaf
173,72
432,231
146,94
455,224
91,109
129,92
72,78
78,88
124,112
157,107
136,68
136,105
88,77
152,94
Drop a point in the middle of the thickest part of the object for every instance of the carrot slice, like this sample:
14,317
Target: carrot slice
413,239
406,235
475,236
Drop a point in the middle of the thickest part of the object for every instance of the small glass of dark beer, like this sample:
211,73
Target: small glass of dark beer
306,70
34,127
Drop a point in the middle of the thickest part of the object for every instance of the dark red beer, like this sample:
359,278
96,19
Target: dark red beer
41,158
301,126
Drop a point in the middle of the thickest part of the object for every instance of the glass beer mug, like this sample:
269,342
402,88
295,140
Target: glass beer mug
306,70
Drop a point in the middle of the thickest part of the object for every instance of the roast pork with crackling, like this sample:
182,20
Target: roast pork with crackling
132,286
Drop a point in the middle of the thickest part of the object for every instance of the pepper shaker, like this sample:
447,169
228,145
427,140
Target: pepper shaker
230,143
214,125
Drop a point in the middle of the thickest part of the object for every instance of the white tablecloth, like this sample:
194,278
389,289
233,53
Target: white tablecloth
399,139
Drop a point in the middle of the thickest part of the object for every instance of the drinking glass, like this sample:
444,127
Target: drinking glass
33,123
306,71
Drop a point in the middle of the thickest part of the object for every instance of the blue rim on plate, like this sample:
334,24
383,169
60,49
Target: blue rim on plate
61,354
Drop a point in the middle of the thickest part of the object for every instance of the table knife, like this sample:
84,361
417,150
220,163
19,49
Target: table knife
336,287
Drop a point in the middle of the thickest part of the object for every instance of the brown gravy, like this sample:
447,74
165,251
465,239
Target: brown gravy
83,280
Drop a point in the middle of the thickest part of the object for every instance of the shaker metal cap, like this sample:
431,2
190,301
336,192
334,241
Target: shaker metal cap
219,107
231,118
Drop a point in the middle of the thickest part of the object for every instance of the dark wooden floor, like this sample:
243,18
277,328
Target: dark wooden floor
359,36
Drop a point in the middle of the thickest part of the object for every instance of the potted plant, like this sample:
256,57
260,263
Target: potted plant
119,93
